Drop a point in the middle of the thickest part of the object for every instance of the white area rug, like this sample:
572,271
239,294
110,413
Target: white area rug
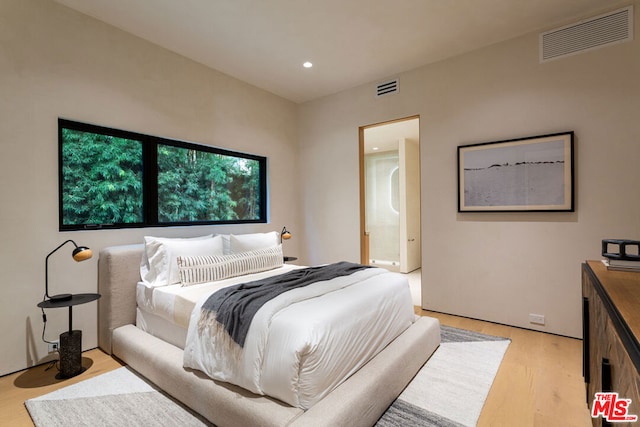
449,390
117,398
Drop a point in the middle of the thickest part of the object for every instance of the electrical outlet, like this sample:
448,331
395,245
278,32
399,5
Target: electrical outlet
538,319
54,346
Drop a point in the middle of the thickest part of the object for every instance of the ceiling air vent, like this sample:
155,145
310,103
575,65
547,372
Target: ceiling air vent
604,30
387,88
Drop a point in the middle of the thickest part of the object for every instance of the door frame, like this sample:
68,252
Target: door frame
364,236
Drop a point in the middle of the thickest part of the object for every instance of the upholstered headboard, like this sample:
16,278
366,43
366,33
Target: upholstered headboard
118,274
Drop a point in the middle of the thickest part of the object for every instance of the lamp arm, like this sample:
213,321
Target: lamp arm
46,267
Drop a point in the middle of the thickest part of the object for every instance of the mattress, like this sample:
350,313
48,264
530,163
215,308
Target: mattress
164,311
161,328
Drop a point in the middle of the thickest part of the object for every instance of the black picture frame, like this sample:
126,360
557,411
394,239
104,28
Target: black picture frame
532,174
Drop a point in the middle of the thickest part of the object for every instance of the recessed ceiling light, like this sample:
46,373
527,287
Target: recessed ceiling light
307,64
375,148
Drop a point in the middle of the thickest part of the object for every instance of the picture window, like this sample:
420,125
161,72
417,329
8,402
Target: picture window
110,178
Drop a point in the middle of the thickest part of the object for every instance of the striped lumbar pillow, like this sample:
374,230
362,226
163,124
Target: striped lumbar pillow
202,269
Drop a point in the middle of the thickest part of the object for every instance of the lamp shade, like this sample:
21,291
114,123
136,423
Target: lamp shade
81,253
284,234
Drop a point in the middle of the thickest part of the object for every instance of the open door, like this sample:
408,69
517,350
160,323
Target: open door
390,195
409,188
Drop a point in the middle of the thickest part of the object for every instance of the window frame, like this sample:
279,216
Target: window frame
149,190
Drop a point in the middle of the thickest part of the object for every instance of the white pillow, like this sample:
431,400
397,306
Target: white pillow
158,266
202,269
226,243
251,242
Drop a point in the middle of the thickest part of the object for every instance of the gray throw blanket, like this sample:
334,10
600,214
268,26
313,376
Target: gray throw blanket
235,306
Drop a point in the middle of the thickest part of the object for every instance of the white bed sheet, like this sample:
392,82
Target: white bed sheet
161,328
174,303
299,352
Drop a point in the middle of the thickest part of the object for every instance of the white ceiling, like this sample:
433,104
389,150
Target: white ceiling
384,137
350,42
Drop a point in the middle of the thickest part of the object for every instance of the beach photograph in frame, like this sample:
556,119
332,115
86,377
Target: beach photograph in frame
533,174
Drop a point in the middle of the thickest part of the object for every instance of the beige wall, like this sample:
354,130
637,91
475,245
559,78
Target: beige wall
497,267
55,62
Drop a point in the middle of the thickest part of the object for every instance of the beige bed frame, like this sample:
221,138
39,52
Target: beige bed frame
359,401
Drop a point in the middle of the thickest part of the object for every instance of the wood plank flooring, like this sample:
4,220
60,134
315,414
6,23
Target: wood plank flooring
539,382
36,381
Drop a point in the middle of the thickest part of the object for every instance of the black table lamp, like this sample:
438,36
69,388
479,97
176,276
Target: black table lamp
284,234
80,253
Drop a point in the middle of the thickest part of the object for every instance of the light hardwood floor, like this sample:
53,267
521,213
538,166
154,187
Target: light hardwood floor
34,382
539,382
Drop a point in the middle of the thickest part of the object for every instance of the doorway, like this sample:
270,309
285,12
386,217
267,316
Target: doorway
390,195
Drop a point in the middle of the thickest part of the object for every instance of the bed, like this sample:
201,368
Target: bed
132,331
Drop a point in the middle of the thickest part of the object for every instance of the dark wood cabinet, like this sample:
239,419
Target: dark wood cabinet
611,329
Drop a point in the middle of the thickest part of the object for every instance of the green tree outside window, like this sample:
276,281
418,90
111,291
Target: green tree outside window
110,179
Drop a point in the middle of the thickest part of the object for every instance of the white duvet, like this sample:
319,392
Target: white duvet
304,343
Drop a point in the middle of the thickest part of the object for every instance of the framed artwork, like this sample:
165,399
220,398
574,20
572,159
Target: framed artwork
533,174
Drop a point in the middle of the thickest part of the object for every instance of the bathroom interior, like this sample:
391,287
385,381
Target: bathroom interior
392,195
